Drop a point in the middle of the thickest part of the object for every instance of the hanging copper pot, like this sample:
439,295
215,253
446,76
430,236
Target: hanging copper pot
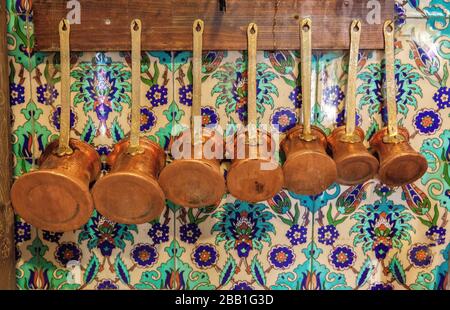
194,179
308,169
355,165
400,164
56,197
130,193
254,175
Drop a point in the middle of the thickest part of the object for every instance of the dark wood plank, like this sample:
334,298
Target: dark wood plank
167,23
7,253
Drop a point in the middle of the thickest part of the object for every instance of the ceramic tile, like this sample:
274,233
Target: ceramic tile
363,237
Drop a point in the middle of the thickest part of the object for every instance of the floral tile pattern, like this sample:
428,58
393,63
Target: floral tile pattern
368,236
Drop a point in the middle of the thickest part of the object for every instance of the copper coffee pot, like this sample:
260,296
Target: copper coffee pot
256,175
56,197
400,164
308,169
130,193
355,165
195,180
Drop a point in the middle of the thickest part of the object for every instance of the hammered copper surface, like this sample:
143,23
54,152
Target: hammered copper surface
130,193
248,179
195,182
56,197
400,164
308,169
354,163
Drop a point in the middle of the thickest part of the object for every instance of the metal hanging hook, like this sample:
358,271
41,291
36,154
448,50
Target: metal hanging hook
64,45
350,104
134,147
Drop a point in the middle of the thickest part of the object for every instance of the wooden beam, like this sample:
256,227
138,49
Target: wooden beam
167,24
7,253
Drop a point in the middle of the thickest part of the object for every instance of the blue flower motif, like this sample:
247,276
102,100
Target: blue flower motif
281,257
419,255
209,116
105,234
205,256
243,249
427,121
296,97
327,234
244,226
378,286
442,97
190,233
297,234
185,95
157,95
46,94
107,284
16,93
342,257
333,95
22,231
436,234
55,117
283,119
52,236
66,252
106,247
381,250
148,119
242,286
159,233
144,255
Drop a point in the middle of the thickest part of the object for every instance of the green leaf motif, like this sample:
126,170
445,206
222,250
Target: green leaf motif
257,271
89,131
91,269
228,271
365,272
121,270
397,270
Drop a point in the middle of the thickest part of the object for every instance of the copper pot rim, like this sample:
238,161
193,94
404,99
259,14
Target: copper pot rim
233,176
21,208
121,147
297,129
341,130
150,182
416,157
211,171
143,141
81,145
312,186
238,162
377,138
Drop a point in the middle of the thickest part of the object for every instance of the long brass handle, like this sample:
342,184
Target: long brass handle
135,28
252,36
64,45
306,57
392,136
197,30
350,104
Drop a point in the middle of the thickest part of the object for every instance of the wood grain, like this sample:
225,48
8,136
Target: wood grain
7,253
104,24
